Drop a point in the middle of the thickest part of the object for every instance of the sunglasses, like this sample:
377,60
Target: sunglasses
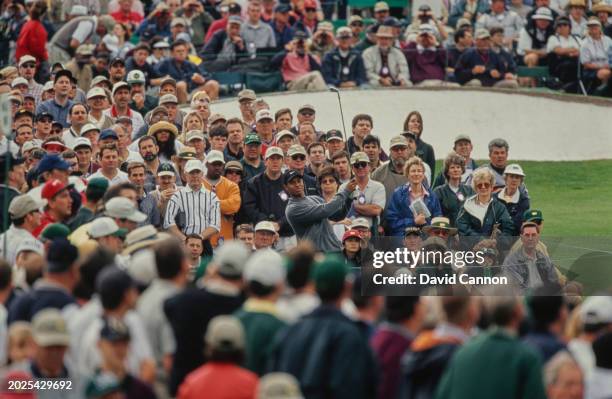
311,9
483,185
233,172
360,24
45,120
307,113
57,131
29,65
328,181
360,165
438,232
298,157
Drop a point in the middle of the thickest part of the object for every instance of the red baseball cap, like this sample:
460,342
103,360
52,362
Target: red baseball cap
52,188
310,4
351,234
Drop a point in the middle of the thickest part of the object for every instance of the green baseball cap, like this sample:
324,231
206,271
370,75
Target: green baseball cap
55,230
98,184
252,139
532,215
330,273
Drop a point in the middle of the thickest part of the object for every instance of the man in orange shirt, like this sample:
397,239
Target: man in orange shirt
227,192
221,376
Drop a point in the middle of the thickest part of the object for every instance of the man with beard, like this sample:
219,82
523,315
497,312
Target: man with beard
252,162
227,192
165,134
148,149
391,174
117,70
121,101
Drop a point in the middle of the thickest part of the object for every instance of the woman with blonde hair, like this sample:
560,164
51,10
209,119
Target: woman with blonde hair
414,125
412,204
481,212
453,193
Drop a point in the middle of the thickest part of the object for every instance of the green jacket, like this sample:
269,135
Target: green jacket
471,226
495,364
450,202
260,326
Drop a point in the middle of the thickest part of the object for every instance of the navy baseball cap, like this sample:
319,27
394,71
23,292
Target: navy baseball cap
44,115
61,255
63,72
108,134
50,162
290,175
282,8
115,330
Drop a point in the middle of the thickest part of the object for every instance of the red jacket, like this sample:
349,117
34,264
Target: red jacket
219,381
32,40
220,24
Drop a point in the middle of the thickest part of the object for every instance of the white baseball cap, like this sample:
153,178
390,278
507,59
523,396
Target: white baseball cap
135,76
596,310
514,169
193,164
123,208
266,266
18,81
265,225
105,226
88,128
263,114
80,142
215,156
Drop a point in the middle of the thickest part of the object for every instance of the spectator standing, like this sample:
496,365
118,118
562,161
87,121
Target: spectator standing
548,315
414,124
60,104
257,35
264,274
222,375
453,193
191,311
493,348
340,369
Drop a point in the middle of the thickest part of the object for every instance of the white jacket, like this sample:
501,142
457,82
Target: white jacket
398,66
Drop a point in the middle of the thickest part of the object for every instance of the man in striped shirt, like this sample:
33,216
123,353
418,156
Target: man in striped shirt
197,208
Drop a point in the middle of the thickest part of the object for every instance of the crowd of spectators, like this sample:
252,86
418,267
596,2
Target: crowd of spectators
153,248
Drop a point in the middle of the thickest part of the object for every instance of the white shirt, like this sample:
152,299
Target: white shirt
13,237
5,145
120,177
556,41
596,51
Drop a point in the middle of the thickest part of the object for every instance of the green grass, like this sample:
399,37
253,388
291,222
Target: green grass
574,197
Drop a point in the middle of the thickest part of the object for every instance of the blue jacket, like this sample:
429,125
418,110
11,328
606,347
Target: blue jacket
472,57
149,28
516,210
59,113
184,72
332,68
284,37
398,213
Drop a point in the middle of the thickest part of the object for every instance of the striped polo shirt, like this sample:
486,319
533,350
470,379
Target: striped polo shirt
197,209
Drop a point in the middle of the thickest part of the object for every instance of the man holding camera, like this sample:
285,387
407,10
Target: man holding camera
386,65
300,70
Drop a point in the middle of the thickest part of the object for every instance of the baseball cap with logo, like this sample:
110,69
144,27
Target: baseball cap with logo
263,114
398,141
265,225
225,334
358,157
192,165
165,169
136,76
105,226
296,149
334,134
22,205
123,208
252,138
265,267
532,215
214,156
381,6
291,174
19,81
514,169
53,188
49,328
273,151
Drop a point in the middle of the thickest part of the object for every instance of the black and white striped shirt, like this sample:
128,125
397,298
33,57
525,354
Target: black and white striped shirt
200,209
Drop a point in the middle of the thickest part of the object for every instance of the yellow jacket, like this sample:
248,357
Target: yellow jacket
229,199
